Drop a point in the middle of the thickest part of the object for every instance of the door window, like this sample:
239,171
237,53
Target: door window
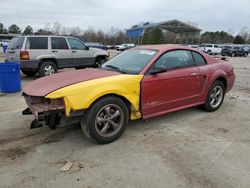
76,44
174,60
59,43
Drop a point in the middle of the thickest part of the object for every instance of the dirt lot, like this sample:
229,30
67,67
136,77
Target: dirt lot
190,148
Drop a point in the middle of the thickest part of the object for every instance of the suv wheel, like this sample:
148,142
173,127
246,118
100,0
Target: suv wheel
99,61
246,54
233,54
209,52
215,96
106,120
29,73
47,68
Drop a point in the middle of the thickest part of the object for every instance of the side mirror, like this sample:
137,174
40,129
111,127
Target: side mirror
157,71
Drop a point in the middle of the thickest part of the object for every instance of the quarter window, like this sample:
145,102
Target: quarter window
59,43
199,60
34,43
175,59
76,44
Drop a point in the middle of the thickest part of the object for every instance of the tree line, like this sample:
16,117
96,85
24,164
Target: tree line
117,36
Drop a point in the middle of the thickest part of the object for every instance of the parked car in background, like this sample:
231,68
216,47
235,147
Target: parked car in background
247,48
234,51
210,48
123,47
142,82
96,45
46,54
111,47
225,50
194,46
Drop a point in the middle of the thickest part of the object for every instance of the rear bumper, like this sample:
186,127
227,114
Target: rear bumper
27,65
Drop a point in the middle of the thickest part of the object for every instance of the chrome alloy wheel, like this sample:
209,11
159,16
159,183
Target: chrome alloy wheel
48,70
216,96
109,120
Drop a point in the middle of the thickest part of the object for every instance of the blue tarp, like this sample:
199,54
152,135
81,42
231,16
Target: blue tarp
137,32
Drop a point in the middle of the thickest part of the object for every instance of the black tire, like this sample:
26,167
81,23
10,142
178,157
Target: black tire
209,52
233,54
99,61
47,64
29,73
246,54
208,106
92,130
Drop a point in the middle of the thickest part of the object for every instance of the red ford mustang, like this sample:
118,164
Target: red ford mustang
143,82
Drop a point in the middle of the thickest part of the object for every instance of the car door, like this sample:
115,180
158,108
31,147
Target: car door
178,87
82,55
61,52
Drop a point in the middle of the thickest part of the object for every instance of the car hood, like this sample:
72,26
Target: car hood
44,86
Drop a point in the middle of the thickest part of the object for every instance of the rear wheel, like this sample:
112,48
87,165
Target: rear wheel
29,73
215,96
233,54
246,54
106,120
209,52
47,68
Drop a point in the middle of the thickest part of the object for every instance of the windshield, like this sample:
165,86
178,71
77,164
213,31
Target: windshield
130,62
16,43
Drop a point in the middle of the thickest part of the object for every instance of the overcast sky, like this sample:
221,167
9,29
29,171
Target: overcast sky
103,14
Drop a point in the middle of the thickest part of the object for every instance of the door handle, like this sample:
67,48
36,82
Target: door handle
54,51
74,51
193,74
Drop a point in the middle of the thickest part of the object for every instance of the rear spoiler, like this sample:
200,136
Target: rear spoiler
221,58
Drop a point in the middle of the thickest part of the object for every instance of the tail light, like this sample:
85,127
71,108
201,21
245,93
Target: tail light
24,55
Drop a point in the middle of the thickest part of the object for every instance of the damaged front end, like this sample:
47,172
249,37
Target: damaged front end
50,112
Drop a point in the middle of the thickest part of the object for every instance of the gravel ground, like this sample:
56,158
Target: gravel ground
189,148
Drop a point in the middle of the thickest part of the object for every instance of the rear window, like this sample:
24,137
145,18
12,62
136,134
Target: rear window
35,43
59,43
16,43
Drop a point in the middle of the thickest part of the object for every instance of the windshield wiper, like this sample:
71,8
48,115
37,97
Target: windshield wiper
115,68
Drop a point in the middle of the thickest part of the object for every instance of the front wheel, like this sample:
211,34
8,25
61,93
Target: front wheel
99,61
215,96
106,120
246,54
